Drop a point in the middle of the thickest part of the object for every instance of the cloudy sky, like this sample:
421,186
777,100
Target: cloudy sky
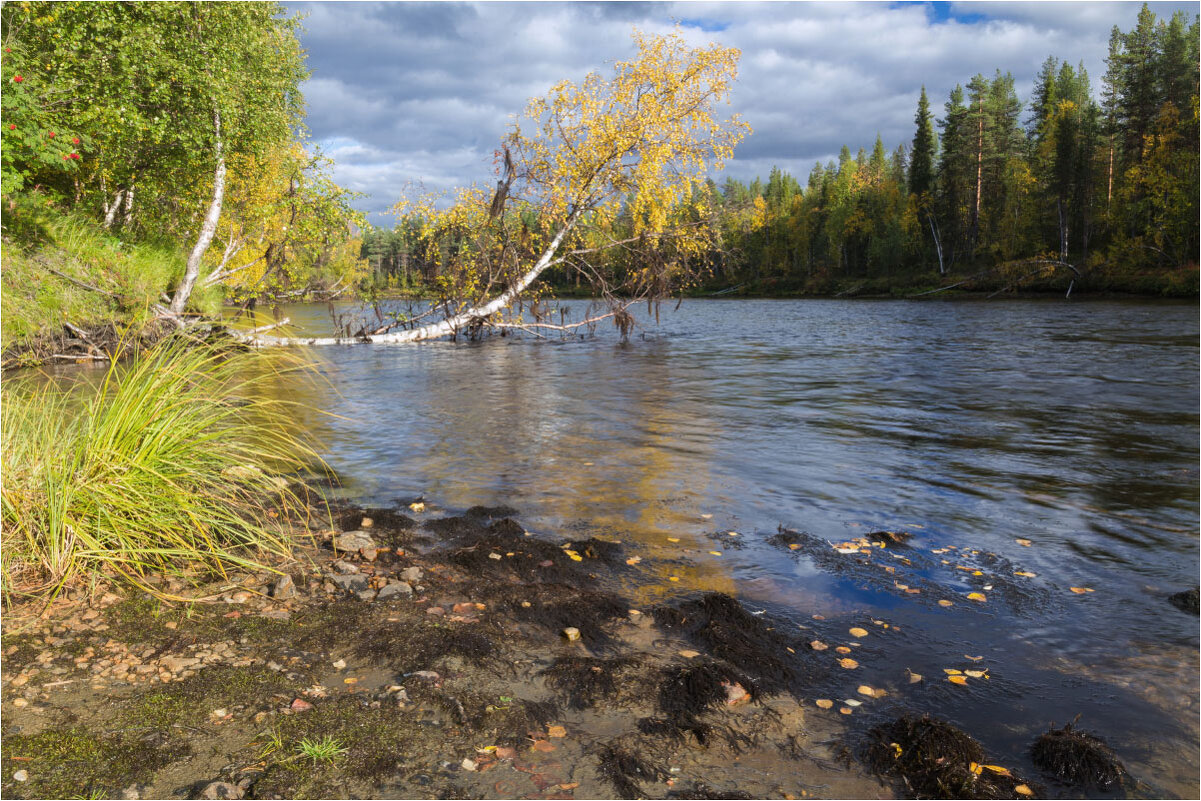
406,94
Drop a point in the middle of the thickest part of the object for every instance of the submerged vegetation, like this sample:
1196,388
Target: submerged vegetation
169,463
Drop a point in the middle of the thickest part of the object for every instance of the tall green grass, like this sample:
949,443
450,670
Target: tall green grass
170,463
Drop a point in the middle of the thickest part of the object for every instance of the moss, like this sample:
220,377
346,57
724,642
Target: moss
71,762
409,646
138,619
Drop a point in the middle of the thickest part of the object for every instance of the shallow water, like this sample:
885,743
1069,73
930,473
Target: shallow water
969,424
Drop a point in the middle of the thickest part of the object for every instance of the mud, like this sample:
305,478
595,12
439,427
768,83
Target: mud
436,665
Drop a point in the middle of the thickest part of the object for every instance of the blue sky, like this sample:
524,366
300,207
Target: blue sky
407,95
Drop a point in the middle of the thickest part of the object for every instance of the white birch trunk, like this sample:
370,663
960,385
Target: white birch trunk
110,211
207,229
447,326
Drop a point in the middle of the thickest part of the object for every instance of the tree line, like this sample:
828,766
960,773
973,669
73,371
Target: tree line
993,187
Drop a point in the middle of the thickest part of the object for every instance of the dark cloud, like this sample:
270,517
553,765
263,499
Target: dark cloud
423,92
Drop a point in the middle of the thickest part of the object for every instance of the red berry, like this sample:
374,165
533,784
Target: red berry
75,156
75,140
17,79
12,127
52,134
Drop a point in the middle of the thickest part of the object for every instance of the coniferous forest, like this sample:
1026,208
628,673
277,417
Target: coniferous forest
992,190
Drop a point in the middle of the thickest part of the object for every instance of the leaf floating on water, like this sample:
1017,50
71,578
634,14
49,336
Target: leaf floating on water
1022,789
951,671
1080,590
847,550
818,617
1021,541
852,702
845,710
977,596
973,658
945,602
912,590
842,649
818,645
998,770
976,674
673,539
733,534
848,663
900,586
914,678
1025,573
715,553
706,517
858,632
793,546
417,506
957,679
824,703
974,768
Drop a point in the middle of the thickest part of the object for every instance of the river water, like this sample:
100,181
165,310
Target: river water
1072,425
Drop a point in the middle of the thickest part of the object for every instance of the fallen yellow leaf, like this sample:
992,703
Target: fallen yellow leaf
914,678
715,553
945,602
974,768
912,590
957,679
687,654
973,658
1021,541
417,506
848,663
999,770
951,671
975,674
673,578
556,731
977,596
793,546
633,560
1025,573
845,710
852,702
824,703
1080,590
673,539
865,690
575,557
858,632
1022,789
842,649
818,645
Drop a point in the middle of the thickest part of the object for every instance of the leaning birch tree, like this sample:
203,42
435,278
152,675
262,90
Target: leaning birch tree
600,177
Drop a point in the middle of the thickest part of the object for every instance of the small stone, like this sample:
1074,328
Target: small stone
353,540
301,705
20,681
91,614
341,663
411,574
177,663
20,703
368,554
436,611
239,597
273,665
393,590
283,588
367,523
428,675
344,568
366,595
21,775
131,793
221,790
469,765
495,556
171,624
350,583
571,633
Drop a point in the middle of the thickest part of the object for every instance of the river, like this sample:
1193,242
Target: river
976,427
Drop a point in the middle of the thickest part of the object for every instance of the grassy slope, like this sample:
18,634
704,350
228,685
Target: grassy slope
36,303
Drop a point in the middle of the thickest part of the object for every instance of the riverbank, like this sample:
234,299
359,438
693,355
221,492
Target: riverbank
405,652
456,657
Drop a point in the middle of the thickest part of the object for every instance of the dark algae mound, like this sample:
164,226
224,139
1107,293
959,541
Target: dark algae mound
624,770
930,758
1187,601
1078,758
720,625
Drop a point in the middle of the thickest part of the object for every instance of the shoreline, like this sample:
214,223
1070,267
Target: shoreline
458,656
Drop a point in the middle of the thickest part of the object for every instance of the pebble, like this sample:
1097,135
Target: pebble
283,588
394,589
221,790
368,553
20,703
367,523
411,574
341,663
435,610
353,540
21,775
571,633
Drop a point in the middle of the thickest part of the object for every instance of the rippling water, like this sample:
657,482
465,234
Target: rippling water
1073,425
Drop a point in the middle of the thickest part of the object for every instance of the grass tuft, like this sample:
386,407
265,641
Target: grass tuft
170,463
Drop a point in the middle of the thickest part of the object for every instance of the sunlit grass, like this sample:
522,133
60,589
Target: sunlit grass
327,749
171,463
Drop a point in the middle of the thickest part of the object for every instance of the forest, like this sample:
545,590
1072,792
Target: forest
998,192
